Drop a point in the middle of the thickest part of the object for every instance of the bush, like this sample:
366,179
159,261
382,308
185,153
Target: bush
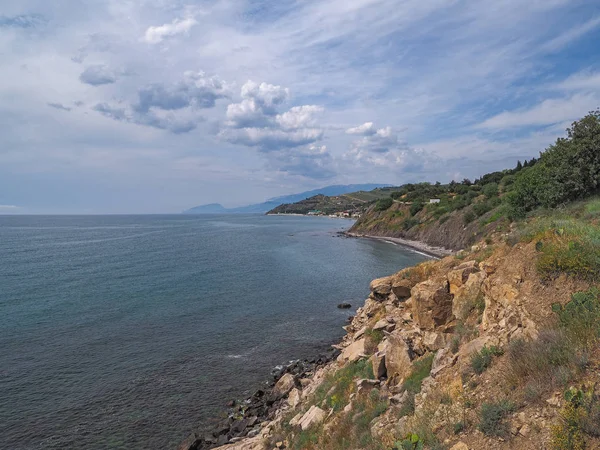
372,340
383,204
416,207
490,190
542,365
580,317
569,246
469,217
492,418
409,223
577,418
481,360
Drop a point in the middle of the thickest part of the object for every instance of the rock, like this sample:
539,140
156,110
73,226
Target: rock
459,446
401,288
354,351
285,384
360,333
381,287
399,399
460,275
525,430
465,296
381,324
433,341
432,304
554,400
296,419
397,357
366,385
344,306
313,416
279,444
192,442
378,362
238,426
294,398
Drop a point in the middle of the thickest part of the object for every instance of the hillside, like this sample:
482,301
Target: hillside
494,347
354,202
276,201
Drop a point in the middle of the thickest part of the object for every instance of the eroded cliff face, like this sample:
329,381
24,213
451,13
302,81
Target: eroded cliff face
432,353
449,232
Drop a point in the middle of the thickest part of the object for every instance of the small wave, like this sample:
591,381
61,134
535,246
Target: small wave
95,241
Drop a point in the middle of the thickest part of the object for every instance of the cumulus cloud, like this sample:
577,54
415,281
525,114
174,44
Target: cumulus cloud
170,107
374,140
97,75
312,161
155,35
366,129
255,122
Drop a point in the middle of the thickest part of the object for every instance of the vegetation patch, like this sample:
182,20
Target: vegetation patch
579,417
493,418
580,317
420,370
482,359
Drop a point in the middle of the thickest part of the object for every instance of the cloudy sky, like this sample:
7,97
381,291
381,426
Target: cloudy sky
117,106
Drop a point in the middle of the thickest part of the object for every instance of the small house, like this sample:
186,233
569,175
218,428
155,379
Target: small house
434,200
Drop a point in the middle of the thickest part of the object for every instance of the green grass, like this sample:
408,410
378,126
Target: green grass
335,390
482,359
420,371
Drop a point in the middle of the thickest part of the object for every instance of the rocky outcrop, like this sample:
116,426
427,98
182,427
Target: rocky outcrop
432,304
397,357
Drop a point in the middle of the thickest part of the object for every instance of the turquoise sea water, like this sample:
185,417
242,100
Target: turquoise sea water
128,331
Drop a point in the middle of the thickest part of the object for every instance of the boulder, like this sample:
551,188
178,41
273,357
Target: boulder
366,385
192,442
465,296
381,287
378,362
397,357
460,275
401,288
285,384
432,304
433,341
313,416
384,324
294,398
354,351
459,446
344,306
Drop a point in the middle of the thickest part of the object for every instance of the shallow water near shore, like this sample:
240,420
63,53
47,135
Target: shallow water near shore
127,332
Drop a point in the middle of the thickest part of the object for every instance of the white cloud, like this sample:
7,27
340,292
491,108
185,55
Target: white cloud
547,112
8,207
155,35
581,81
564,39
254,122
366,129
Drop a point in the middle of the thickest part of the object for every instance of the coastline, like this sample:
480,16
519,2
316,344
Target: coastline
417,246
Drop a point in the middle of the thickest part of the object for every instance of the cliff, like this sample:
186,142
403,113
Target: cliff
492,348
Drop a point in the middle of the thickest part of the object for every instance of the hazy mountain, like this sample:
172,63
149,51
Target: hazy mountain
338,189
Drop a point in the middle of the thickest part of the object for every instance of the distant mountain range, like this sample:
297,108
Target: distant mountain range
338,189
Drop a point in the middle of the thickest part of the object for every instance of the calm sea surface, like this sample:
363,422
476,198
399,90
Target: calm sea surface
125,332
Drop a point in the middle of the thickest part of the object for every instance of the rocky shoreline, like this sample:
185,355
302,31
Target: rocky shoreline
246,417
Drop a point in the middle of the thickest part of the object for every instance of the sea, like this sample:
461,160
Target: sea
128,332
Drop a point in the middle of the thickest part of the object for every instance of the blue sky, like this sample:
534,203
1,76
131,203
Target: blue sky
141,106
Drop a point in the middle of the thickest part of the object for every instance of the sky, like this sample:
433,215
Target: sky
155,106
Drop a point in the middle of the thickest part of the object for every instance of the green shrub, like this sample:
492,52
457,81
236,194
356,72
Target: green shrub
492,418
577,418
416,207
420,371
580,317
469,217
383,204
411,442
458,427
490,190
372,339
482,359
409,223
